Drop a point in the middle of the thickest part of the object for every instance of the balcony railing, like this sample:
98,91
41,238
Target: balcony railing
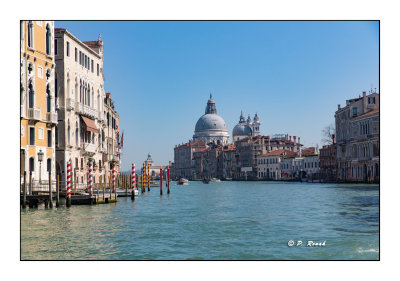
51,117
85,109
34,113
70,104
89,147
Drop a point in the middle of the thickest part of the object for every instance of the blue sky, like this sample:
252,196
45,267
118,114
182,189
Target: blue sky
293,74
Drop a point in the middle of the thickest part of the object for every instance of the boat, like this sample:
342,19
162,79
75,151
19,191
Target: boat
215,180
206,181
183,181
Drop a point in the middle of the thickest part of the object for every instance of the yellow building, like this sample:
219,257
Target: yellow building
38,100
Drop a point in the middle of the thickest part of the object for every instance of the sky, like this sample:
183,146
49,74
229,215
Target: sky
293,74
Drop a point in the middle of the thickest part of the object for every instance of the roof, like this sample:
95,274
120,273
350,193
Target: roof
280,152
367,113
193,143
308,151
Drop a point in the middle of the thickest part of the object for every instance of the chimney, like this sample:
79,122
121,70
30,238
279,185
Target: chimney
338,107
294,139
299,141
333,138
290,138
364,94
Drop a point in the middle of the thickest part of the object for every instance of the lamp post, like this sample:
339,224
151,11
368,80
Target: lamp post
40,158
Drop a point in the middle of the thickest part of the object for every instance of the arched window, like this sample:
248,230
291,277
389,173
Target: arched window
48,98
77,135
69,134
31,95
30,34
80,91
48,39
32,164
88,96
48,164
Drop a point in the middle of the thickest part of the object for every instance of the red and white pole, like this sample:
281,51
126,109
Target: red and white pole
133,181
90,182
161,171
168,179
68,197
113,178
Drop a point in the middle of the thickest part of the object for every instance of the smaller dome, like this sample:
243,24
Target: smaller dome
241,130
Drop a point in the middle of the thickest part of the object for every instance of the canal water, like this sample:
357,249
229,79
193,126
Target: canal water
216,221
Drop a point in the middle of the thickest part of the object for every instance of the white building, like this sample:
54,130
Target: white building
80,94
269,164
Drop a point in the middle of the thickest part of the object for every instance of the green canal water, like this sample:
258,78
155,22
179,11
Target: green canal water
216,221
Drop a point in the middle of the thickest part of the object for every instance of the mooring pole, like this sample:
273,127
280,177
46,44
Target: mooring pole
68,195
30,182
168,179
133,183
58,191
143,178
148,177
161,171
50,191
104,187
24,192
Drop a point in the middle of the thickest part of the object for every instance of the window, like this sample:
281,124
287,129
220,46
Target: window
49,165
76,54
55,47
30,34
67,49
371,100
56,138
80,57
31,164
41,133
88,63
40,71
85,61
31,135
92,66
82,164
354,111
76,163
48,98
98,69
48,41
49,138
69,134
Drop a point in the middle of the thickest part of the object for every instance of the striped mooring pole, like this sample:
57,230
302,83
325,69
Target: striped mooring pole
113,181
168,179
161,171
148,177
68,197
90,181
133,183
143,178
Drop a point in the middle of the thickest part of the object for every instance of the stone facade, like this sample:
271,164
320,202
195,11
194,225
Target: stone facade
357,139
80,92
269,164
183,159
327,158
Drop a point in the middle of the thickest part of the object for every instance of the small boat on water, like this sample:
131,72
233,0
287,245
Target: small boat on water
215,180
206,181
183,181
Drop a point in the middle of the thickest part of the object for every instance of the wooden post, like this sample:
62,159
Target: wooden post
161,170
110,187
104,187
126,186
58,191
148,177
168,179
24,192
50,191
30,182
143,178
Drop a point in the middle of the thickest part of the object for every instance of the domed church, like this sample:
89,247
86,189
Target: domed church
211,127
247,128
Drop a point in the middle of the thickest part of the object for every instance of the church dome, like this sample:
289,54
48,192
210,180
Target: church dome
241,130
210,122
211,127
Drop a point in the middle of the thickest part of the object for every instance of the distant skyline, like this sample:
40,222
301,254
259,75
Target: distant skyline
292,74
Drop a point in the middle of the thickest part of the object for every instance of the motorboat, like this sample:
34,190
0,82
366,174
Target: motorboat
183,181
215,180
206,181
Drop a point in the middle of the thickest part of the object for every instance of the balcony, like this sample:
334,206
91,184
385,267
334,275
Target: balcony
89,147
86,110
34,113
51,117
70,104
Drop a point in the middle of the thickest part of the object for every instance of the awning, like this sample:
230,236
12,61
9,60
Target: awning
90,125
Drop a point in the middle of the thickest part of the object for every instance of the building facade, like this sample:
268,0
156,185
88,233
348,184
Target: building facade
79,84
327,158
184,165
38,101
357,139
269,164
